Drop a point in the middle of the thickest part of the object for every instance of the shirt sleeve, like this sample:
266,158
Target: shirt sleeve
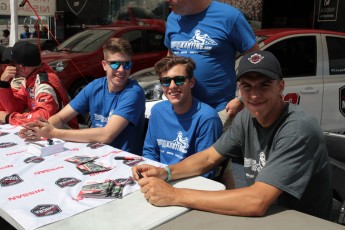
231,142
44,105
13,100
131,104
80,103
242,35
151,148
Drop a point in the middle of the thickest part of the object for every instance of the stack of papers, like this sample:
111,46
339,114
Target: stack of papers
46,147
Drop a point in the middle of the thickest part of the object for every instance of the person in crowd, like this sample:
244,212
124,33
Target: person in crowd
182,125
29,88
37,33
212,34
26,33
284,151
116,105
45,32
5,41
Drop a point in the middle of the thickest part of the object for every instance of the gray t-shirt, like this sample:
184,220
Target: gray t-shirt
290,155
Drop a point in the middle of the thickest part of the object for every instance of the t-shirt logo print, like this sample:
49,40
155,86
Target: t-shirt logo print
179,144
202,38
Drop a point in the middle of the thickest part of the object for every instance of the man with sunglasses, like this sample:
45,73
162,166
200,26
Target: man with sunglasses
183,125
283,147
116,105
28,88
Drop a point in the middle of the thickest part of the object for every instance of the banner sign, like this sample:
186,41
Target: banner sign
42,7
328,10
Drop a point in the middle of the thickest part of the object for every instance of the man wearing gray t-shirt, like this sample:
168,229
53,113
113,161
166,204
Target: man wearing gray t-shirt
284,151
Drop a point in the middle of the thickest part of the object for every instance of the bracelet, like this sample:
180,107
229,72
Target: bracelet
169,173
240,99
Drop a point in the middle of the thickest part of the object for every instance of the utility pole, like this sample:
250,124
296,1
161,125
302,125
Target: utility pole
14,22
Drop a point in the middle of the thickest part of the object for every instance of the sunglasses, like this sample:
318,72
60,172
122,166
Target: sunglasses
179,80
116,64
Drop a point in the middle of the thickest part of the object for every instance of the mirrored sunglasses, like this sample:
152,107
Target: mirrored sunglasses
116,64
179,80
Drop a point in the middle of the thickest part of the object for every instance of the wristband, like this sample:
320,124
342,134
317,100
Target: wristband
169,173
7,118
240,99
4,84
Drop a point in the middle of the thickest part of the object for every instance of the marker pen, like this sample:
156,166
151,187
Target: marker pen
128,158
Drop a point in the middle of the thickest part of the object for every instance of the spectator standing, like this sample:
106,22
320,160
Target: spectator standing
37,33
5,41
212,34
183,125
283,147
36,90
26,33
116,105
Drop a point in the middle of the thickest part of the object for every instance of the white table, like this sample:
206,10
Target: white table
130,212
276,219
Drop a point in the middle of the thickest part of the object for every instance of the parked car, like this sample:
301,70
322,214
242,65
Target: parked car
77,60
134,15
313,65
45,44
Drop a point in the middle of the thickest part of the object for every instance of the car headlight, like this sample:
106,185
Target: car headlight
59,66
153,92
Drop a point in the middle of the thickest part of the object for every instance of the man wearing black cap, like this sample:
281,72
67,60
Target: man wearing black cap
285,157
36,90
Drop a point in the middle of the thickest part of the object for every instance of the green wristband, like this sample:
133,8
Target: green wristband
169,174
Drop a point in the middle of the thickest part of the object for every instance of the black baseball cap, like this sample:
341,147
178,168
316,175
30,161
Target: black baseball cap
23,53
263,62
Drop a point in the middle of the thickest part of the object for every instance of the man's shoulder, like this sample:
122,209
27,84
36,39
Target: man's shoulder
299,122
162,105
221,6
206,109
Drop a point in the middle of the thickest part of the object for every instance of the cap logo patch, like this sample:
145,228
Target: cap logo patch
255,58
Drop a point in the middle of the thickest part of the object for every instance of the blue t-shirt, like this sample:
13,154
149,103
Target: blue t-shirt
170,137
211,38
129,103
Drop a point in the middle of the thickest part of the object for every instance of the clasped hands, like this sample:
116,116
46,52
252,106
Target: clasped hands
34,131
156,190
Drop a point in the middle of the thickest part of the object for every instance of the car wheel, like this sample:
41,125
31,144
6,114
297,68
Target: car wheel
78,86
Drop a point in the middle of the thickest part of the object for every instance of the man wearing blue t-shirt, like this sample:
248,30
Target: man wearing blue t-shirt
116,105
212,34
183,125
26,33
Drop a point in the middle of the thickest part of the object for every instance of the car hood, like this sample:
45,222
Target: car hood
48,56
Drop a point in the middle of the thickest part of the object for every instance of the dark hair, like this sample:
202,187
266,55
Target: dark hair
168,62
117,45
6,33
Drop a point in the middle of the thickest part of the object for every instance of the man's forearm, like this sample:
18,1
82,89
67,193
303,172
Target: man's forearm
196,164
